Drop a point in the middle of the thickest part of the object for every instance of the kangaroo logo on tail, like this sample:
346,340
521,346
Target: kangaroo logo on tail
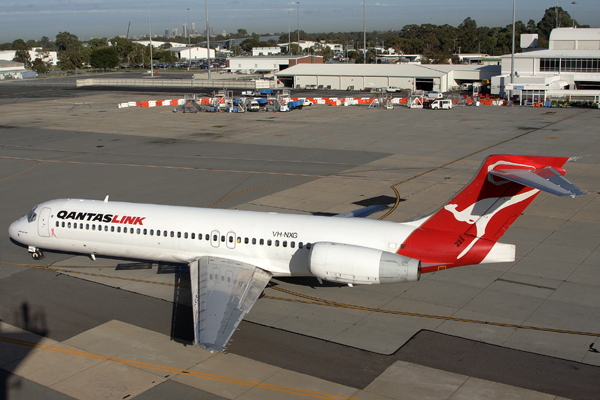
490,206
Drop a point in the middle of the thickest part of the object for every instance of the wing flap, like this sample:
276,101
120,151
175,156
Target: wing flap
223,292
546,179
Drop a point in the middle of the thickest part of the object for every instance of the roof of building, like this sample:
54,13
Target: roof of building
11,64
546,53
414,70
273,57
571,33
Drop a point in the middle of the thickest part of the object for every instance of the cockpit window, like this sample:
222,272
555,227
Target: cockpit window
32,215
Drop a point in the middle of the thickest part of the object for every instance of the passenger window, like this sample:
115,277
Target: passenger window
230,239
308,246
300,245
165,234
172,234
151,232
253,240
193,236
118,229
239,240
69,225
112,228
262,242
145,231
63,224
246,240
131,230
284,243
87,227
277,243
269,242
81,226
222,238
75,225
57,224
179,235
105,228
293,245
215,238
207,237
138,231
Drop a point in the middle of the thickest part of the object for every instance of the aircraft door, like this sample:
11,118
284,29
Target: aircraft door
231,240
44,222
214,238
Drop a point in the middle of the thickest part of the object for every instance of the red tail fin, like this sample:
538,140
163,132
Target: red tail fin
465,230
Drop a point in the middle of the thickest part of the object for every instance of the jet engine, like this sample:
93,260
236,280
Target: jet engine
343,263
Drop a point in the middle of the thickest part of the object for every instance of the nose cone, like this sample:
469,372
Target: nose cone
15,231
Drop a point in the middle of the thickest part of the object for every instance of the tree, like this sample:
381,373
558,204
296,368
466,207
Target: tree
70,55
21,52
104,57
40,66
123,46
96,43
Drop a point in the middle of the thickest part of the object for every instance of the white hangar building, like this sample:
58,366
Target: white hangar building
569,67
191,53
269,63
439,77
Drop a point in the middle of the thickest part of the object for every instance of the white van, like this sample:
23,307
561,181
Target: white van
441,105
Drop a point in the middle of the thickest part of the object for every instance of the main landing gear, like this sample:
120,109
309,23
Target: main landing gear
36,253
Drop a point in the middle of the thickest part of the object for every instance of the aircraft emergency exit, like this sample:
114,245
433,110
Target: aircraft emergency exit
233,254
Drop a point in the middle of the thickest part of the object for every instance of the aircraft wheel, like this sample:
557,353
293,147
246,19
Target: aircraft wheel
37,255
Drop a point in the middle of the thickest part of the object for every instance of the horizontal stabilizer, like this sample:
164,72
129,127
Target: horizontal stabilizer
362,212
546,179
223,292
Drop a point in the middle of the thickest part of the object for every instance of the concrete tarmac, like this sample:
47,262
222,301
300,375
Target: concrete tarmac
94,323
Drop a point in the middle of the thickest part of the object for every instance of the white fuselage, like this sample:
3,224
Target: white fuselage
279,243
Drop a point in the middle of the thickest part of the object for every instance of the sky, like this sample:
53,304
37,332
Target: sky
32,19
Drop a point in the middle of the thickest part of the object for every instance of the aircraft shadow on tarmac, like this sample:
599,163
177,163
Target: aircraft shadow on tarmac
30,319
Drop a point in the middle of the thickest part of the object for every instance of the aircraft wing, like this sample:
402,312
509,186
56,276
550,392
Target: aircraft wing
223,292
546,179
361,212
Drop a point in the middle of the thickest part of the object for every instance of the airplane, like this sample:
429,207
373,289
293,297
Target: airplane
233,254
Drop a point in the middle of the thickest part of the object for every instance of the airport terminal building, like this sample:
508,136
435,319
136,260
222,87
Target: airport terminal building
569,68
439,77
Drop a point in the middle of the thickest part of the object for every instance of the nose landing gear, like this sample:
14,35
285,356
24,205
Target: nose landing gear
36,253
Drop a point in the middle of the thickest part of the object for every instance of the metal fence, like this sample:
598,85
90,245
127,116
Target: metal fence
57,82
166,83
204,83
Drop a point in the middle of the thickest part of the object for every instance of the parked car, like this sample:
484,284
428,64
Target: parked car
393,89
441,105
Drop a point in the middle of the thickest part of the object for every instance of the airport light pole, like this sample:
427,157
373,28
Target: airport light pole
289,35
574,13
364,32
189,43
298,4
150,29
512,53
207,40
